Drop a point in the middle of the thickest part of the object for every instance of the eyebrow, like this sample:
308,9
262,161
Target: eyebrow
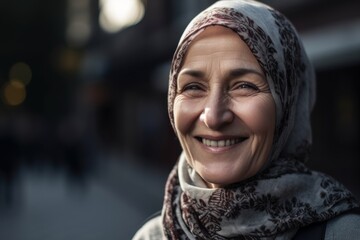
237,72
233,73
192,73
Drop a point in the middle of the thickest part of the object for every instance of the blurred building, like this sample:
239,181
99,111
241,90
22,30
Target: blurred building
137,72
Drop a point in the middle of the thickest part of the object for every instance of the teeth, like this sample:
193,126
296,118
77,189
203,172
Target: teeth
221,143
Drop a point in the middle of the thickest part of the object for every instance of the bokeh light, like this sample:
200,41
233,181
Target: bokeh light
21,72
118,14
78,22
14,92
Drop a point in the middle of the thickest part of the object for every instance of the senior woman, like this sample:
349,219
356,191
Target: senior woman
241,90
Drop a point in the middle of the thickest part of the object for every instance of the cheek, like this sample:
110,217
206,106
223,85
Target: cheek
259,114
186,113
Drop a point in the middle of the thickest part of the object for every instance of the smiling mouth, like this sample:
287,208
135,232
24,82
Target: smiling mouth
220,143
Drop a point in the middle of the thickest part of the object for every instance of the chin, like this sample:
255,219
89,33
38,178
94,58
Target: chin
219,174
220,180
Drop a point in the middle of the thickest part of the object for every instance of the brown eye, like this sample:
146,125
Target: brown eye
247,85
193,90
192,87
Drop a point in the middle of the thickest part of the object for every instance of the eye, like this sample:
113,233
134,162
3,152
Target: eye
192,90
246,86
192,87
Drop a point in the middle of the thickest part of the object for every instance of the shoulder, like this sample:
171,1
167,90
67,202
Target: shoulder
345,226
151,230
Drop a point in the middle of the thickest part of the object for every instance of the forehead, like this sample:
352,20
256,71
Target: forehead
218,43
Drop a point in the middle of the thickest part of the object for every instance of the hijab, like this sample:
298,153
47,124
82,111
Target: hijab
285,195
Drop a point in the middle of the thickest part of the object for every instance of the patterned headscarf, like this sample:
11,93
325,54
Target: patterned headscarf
286,195
275,43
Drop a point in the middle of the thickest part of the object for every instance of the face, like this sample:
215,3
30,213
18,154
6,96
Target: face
224,113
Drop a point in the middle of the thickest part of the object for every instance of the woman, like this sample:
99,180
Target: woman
241,90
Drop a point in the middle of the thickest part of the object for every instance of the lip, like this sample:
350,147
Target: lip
219,137
219,143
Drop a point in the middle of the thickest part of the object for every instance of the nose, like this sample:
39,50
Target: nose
216,113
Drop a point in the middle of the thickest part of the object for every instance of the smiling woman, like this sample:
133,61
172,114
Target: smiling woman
241,90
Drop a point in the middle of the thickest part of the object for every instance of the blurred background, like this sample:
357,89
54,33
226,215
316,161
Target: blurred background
85,141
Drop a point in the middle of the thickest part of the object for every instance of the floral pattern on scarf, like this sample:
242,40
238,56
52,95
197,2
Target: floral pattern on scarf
270,205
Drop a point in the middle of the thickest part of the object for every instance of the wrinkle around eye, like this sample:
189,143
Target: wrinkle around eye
192,93
191,88
246,85
249,90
